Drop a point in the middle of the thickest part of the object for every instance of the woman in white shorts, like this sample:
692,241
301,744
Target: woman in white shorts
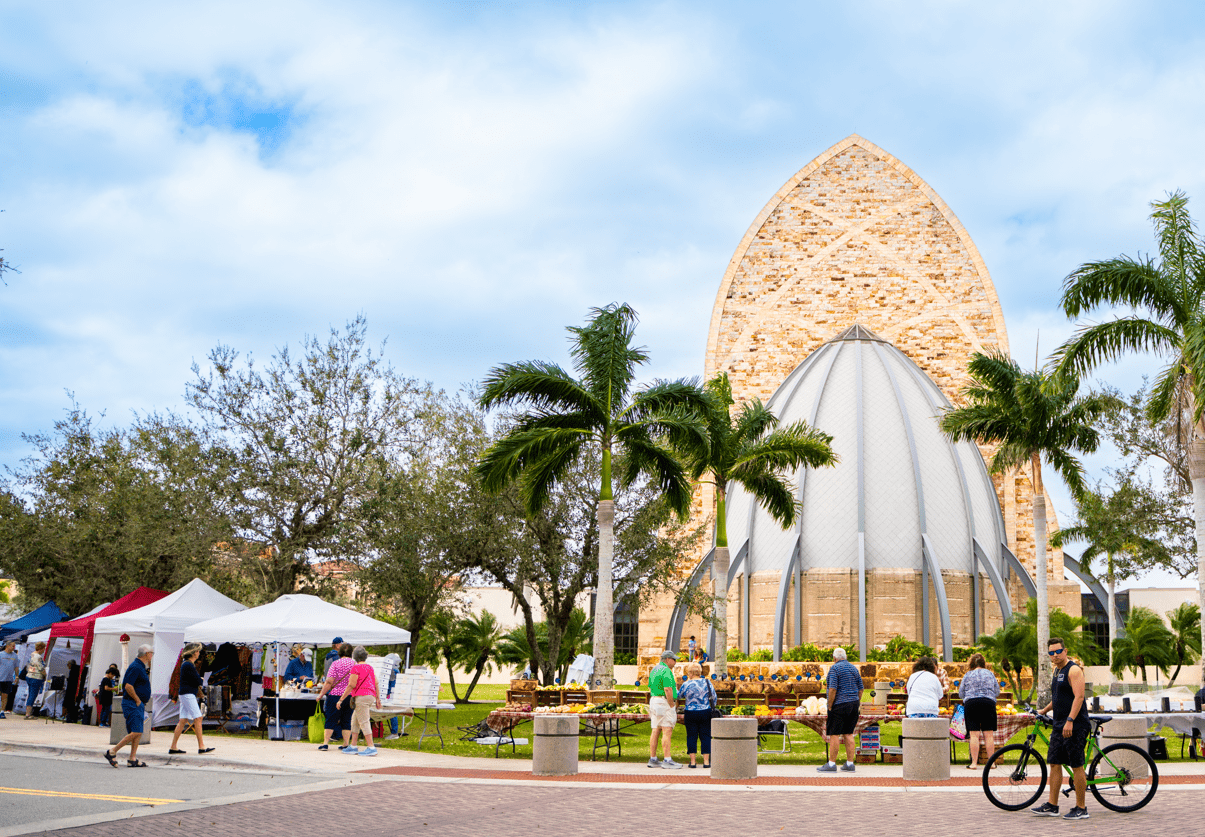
190,706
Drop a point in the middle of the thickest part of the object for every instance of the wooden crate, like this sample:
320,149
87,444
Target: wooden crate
575,696
523,685
521,696
548,698
608,696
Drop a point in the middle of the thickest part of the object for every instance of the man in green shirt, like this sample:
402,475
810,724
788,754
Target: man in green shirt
663,702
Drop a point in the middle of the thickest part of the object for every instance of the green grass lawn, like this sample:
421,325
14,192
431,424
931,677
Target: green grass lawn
806,746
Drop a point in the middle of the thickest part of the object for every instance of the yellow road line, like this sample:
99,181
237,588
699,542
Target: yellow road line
106,797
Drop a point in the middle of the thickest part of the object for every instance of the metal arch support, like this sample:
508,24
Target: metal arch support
794,564
1013,563
943,607
1006,605
1102,595
784,588
861,434
677,619
734,566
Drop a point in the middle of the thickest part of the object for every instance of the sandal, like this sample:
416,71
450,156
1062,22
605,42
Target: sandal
111,757
136,764
972,767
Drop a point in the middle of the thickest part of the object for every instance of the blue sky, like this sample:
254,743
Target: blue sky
474,176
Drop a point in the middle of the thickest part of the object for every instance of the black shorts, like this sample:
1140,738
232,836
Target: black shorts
1068,751
842,719
980,714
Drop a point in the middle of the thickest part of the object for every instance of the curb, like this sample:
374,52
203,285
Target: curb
153,758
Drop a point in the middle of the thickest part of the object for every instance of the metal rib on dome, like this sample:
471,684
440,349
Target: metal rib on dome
904,497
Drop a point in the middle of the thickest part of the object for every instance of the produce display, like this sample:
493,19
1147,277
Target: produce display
581,709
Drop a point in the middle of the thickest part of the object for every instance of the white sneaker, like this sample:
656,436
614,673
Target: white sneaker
670,764
393,737
654,762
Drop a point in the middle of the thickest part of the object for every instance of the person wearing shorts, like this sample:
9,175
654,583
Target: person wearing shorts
8,677
844,706
190,705
135,692
663,702
978,690
1069,736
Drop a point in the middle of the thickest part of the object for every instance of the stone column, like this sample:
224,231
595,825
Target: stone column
734,748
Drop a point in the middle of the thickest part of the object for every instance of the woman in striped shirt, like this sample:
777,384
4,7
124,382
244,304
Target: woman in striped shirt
978,691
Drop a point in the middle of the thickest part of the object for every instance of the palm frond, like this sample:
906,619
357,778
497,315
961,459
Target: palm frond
787,448
543,386
643,456
753,420
510,455
1176,232
1069,468
603,354
1105,342
684,430
771,491
1121,282
544,471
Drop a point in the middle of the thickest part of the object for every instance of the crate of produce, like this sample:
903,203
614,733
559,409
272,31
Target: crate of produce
575,696
866,755
548,697
521,696
893,755
520,684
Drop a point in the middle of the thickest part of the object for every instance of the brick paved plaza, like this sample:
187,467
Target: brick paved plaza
449,807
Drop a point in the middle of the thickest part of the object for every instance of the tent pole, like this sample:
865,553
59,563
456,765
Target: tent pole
276,683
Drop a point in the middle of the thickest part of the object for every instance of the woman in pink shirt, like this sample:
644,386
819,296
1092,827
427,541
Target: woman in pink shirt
362,688
338,719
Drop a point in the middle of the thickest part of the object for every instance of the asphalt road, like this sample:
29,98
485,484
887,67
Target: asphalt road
39,793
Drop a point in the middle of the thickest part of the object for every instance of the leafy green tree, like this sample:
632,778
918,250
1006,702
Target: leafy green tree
752,451
1167,507
1147,642
598,410
408,534
1168,300
1185,623
1029,416
95,513
1117,528
304,436
479,639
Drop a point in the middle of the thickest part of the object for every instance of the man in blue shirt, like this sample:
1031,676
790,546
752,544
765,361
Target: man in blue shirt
844,705
331,655
135,692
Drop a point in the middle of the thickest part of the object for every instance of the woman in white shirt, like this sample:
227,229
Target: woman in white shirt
924,690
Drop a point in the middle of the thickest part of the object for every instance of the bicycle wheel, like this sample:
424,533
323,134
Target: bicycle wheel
1015,786
1135,774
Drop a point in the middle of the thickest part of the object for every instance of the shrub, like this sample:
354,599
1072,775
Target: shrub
762,655
624,658
736,655
901,650
806,653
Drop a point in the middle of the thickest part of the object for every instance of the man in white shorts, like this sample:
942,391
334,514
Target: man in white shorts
663,702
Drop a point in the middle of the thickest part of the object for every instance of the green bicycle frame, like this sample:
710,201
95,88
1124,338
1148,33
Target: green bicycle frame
1038,732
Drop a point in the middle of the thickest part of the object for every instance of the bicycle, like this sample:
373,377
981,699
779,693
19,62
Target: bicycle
1122,777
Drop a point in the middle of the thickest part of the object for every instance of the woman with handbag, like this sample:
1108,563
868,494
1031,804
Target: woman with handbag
700,699
35,678
190,704
338,718
978,690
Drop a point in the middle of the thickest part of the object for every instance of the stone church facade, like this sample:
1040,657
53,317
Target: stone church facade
857,238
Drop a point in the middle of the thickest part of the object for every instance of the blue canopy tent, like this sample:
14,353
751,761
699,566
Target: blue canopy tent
31,623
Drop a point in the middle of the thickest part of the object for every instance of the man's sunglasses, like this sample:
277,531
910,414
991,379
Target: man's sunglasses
1056,652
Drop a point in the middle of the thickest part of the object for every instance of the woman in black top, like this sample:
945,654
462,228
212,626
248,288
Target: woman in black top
190,707
104,696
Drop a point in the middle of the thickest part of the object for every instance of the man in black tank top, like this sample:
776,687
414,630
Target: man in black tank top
1070,734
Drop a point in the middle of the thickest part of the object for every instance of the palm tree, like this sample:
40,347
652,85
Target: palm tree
566,414
440,642
1110,528
1028,416
1168,297
1147,642
753,452
1017,642
1185,623
478,642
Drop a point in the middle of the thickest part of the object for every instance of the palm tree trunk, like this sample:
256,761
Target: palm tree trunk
604,606
1196,473
719,576
1112,605
1039,548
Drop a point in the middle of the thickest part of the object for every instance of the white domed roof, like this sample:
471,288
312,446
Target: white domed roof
901,486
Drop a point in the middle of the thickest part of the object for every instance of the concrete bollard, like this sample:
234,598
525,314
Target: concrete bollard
554,750
926,749
1127,730
117,729
881,689
734,748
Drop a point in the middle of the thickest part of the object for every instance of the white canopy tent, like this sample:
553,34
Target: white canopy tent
296,618
161,625
56,666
